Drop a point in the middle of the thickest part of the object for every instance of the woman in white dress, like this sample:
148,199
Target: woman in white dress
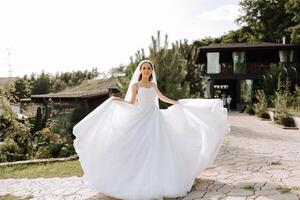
130,149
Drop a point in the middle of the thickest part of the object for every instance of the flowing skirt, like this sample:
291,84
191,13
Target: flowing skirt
143,152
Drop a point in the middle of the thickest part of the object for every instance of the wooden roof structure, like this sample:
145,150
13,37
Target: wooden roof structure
79,94
88,89
248,46
255,52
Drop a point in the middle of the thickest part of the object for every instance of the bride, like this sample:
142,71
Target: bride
130,149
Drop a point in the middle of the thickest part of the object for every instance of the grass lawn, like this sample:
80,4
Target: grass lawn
42,170
11,197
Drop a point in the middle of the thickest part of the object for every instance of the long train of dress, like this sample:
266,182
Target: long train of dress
142,152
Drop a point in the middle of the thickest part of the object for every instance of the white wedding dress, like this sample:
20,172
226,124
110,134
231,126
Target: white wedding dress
142,152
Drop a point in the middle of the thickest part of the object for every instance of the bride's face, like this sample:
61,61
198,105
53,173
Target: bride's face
146,70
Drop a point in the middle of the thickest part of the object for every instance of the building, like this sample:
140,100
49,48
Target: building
235,69
69,106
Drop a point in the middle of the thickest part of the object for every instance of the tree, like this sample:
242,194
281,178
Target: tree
293,7
15,134
238,36
22,88
196,75
206,41
42,84
8,91
266,20
117,71
170,67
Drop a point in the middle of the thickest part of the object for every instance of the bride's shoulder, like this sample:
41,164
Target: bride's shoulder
153,84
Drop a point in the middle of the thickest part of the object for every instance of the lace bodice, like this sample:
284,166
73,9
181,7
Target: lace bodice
146,96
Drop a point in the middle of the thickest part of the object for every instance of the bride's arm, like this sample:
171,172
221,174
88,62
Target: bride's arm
133,97
162,97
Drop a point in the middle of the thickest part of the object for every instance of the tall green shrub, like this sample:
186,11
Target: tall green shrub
283,96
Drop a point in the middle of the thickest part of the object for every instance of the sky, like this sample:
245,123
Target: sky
70,35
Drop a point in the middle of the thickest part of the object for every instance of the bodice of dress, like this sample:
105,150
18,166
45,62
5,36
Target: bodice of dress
146,96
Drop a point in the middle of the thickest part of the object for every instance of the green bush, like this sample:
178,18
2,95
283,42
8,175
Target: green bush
67,150
264,115
43,152
262,104
250,109
287,121
10,151
47,144
55,148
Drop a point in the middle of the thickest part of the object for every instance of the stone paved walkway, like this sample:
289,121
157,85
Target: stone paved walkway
257,161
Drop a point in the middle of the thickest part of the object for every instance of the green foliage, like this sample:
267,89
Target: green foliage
170,67
117,71
246,88
262,105
295,36
8,91
42,84
292,7
46,144
20,144
58,85
206,41
263,115
266,20
67,79
38,121
237,36
270,82
285,121
10,151
22,88
7,117
46,82
295,103
43,153
196,74
283,96
250,109
66,150
13,130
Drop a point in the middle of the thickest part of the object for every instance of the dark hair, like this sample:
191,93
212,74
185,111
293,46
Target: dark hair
150,77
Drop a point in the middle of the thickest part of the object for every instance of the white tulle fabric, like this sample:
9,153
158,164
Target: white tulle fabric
141,152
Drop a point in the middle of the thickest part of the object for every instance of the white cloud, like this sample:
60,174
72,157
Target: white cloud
225,13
